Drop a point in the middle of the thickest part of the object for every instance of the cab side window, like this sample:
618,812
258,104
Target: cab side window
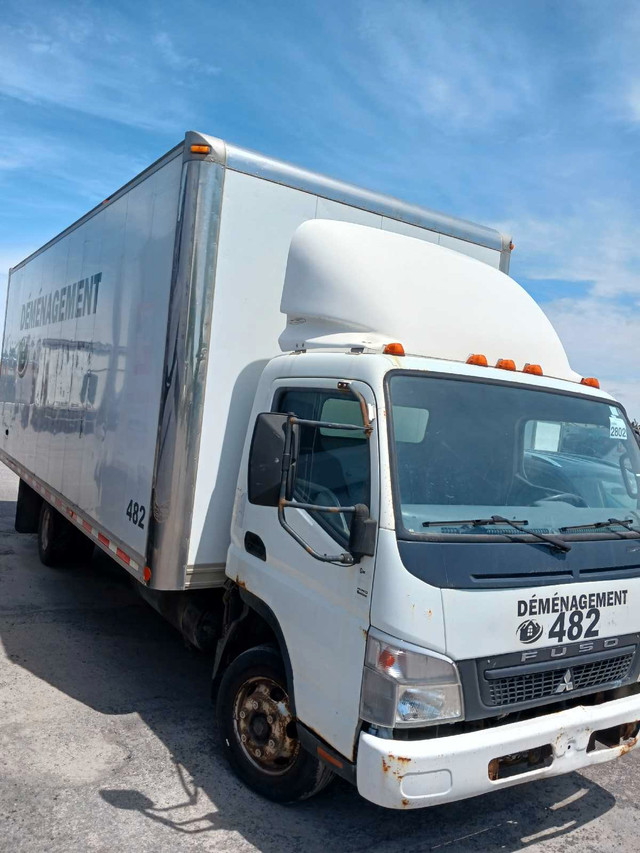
333,467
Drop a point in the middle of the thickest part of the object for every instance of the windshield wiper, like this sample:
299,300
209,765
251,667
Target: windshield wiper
623,522
517,525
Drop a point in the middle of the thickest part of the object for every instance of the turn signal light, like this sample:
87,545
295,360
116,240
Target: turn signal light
386,660
532,368
479,359
506,364
393,349
591,381
200,149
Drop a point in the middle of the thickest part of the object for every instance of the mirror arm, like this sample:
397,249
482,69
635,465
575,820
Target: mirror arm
342,559
368,428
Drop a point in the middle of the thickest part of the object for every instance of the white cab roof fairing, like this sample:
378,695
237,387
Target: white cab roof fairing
351,285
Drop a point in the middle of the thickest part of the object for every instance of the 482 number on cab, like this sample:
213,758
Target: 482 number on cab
575,625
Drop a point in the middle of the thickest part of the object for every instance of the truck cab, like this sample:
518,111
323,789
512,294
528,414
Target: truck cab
447,548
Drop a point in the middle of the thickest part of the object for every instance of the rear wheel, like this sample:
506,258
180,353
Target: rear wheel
59,541
258,730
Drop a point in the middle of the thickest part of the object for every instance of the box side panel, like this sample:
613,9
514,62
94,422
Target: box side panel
473,250
83,353
258,220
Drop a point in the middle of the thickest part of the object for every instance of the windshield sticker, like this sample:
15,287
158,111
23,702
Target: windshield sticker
570,622
617,429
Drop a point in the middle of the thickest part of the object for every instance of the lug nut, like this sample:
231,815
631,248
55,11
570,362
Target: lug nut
254,705
270,720
258,753
243,738
272,743
243,714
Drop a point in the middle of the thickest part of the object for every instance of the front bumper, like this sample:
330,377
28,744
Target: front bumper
413,774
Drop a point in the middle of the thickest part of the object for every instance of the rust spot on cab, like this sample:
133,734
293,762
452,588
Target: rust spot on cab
405,802
494,769
385,766
403,759
241,584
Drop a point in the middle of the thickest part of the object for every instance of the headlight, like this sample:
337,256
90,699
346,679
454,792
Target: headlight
404,687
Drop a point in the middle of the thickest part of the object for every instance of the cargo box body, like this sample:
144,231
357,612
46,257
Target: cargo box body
134,342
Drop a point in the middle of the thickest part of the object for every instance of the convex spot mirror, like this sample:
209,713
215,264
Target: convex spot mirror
265,459
629,476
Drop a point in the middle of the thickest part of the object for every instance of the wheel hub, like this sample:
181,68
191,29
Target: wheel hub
264,725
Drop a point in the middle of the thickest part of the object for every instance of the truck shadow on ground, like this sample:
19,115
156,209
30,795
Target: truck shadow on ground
125,659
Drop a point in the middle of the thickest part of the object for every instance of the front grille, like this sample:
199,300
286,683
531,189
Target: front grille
529,687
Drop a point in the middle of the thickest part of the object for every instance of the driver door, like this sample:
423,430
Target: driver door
322,608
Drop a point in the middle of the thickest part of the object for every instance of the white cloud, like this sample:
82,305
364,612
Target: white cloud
181,61
448,63
615,58
633,100
596,244
602,339
61,61
596,251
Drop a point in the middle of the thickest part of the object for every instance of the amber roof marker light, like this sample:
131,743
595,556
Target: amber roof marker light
201,149
393,349
535,369
506,364
591,381
478,359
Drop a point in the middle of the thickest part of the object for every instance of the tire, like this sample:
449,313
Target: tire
59,541
271,760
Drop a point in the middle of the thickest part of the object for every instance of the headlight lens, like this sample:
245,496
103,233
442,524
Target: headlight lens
402,687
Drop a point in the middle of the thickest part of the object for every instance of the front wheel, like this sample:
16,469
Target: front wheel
258,730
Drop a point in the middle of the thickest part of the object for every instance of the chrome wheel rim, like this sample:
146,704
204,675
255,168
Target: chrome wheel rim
264,725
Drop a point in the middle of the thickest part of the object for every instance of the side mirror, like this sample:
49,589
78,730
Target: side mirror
265,459
629,476
362,538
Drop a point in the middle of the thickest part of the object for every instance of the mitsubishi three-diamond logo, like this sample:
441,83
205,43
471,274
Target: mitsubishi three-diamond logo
566,684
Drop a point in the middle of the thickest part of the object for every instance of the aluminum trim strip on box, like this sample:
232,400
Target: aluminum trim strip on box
260,166
184,373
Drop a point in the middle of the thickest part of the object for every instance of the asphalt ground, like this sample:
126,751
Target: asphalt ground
107,743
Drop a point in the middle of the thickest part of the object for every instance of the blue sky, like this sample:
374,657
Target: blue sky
523,115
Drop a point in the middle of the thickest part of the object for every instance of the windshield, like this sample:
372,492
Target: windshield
467,450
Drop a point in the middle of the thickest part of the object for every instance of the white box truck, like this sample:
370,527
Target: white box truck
409,533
